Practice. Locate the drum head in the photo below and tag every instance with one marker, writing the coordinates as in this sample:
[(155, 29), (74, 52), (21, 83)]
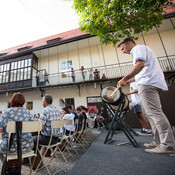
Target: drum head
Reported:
[(106, 95)]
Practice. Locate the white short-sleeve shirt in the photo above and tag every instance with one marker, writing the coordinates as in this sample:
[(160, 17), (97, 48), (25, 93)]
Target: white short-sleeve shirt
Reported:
[(134, 97), (151, 74), (69, 117)]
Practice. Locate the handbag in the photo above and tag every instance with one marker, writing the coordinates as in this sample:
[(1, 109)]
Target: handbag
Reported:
[(15, 170)]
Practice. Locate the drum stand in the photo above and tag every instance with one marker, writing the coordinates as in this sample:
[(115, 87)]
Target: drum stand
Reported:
[(119, 121)]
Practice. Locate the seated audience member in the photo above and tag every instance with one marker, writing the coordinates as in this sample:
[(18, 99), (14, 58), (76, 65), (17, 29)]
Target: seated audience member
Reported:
[(103, 112), (16, 113), (104, 76), (69, 107), (81, 117), (101, 117), (87, 113), (66, 115), (48, 114), (84, 110), (35, 116), (92, 113), (88, 116), (96, 74)]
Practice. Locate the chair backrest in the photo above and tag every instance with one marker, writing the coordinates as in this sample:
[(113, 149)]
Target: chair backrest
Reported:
[(56, 124), (27, 126), (68, 122), (88, 120), (76, 121)]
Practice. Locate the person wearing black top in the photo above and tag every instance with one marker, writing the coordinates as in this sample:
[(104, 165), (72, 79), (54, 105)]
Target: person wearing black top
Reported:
[(81, 116)]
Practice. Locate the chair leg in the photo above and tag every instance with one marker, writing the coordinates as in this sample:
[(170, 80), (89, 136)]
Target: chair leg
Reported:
[(72, 147)]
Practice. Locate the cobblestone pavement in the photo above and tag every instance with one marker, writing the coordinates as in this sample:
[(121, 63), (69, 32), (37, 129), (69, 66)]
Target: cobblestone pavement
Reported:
[(66, 166)]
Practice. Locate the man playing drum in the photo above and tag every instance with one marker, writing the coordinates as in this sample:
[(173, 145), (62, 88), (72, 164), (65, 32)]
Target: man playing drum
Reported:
[(150, 80)]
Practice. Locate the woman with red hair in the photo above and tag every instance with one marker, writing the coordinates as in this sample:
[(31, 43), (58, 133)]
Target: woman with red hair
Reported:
[(16, 113)]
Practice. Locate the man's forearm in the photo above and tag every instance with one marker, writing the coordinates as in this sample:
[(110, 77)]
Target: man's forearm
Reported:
[(135, 70), (131, 80)]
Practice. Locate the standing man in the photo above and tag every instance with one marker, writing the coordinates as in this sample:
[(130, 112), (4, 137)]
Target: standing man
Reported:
[(48, 114), (150, 80)]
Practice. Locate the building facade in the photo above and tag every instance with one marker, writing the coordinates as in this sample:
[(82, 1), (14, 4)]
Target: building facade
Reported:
[(58, 54)]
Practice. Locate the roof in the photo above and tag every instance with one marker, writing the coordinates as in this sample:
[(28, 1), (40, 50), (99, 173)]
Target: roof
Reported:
[(61, 37), (43, 41)]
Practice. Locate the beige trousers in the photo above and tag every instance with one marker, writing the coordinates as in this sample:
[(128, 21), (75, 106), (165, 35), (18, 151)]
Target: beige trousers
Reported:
[(152, 108)]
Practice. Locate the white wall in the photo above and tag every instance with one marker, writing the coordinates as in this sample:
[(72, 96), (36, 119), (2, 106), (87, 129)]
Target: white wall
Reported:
[(73, 92)]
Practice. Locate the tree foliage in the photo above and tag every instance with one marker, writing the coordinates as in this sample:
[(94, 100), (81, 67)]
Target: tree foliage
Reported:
[(112, 20)]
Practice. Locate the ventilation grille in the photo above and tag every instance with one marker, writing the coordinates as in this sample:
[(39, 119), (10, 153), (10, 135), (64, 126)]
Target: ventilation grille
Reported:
[(53, 40)]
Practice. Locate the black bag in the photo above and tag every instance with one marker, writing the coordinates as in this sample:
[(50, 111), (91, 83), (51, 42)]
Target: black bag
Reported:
[(12, 171), (16, 170)]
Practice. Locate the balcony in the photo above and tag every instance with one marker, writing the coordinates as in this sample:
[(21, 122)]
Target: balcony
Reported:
[(112, 72)]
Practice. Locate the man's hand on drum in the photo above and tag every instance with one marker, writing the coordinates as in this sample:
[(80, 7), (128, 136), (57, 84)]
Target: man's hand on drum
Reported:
[(122, 82)]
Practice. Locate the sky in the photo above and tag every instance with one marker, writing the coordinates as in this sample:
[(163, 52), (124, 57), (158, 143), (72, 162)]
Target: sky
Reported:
[(23, 21)]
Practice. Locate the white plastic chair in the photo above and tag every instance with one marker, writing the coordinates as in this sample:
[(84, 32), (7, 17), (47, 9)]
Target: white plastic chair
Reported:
[(27, 126)]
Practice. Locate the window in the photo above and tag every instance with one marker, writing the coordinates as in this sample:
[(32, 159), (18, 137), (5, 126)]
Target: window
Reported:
[(26, 63), (4, 73), (2, 67), (22, 63), (19, 64), (21, 74), (29, 62), (15, 65), (0, 77), (70, 101), (15, 74), (18, 72), (29, 73), (29, 105), (25, 73)]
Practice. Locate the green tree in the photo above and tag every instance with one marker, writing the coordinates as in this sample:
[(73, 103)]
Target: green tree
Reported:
[(112, 20)]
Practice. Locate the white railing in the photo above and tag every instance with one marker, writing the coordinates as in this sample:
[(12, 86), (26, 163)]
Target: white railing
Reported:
[(111, 71)]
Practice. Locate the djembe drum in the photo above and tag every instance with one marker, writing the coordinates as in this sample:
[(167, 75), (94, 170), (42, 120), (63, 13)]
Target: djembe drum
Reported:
[(114, 99)]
